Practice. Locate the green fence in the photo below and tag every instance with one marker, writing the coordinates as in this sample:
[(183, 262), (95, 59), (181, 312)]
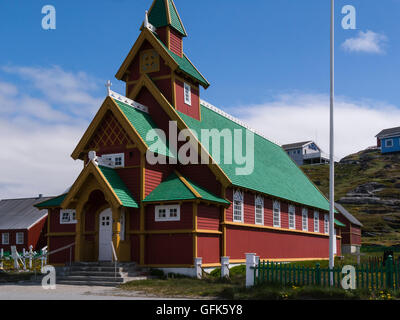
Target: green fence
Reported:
[(368, 276)]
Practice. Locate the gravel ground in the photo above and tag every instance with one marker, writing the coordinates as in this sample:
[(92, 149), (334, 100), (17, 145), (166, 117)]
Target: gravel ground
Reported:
[(34, 291)]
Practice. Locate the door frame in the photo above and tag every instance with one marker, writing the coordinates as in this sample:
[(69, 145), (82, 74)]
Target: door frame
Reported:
[(98, 234)]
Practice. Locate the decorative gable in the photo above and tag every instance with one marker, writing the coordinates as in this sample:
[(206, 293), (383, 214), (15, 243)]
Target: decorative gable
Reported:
[(109, 133)]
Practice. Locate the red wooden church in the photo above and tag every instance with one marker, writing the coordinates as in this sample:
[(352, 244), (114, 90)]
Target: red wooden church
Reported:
[(167, 214)]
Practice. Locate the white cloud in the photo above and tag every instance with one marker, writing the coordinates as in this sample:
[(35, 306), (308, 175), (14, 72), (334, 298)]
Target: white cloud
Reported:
[(301, 117), (369, 42), (37, 136)]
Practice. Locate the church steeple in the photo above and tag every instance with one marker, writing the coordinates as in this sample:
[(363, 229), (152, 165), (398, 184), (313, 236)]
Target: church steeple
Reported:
[(163, 13)]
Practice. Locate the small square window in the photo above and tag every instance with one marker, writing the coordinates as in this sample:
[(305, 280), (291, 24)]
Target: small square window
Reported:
[(389, 143), (167, 213), (68, 216)]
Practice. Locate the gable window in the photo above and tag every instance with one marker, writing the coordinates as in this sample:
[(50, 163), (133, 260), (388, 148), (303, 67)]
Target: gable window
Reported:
[(326, 224), (5, 238), (292, 217), (20, 238), (277, 214), (259, 210), (68, 216), (238, 206), (316, 221), (304, 215), (188, 94), (116, 160), (389, 143), (167, 213)]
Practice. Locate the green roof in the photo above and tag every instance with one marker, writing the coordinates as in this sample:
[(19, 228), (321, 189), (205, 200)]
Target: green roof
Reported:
[(274, 172), (158, 16), (173, 189), (119, 187), (51, 203), (185, 65), (338, 223), (143, 123)]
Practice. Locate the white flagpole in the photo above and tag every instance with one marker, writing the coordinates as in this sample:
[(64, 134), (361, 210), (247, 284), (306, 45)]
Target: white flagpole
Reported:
[(332, 161)]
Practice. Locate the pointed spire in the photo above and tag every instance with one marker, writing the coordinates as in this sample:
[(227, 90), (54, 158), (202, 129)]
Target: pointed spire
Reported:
[(164, 13)]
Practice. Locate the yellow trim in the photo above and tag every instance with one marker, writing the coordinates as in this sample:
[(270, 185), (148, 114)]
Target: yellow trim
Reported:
[(223, 194), (100, 179), (173, 86), (149, 36), (167, 10), (237, 224), (61, 234), (142, 239), (195, 253), (167, 265), (278, 260), (210, 265), (108, 105), (188, 185), (175, 231), (156, 65), (146, 82), (168, 38)]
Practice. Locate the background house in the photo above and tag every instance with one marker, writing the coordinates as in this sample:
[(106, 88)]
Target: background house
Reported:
[(306, 152), (351, 233), (21, 224), (388, 140)]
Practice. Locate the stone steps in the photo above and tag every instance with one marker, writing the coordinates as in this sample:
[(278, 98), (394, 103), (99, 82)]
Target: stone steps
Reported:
[(101, 274)]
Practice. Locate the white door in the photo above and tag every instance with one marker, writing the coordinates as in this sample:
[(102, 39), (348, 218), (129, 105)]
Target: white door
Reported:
[(105, 235)]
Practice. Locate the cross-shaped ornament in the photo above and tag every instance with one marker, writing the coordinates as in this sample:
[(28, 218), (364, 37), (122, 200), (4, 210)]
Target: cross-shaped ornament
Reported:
[(108, 86)]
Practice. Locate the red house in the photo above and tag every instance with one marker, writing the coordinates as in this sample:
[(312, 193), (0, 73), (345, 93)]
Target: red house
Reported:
[(22, 225), (163, 195)]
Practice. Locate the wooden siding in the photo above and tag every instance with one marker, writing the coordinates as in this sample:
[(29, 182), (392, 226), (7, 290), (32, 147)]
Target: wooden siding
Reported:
[(208, 217), (176, 43), (186, 219), (62, 256), (192, 110), (208, 248), (169, 249)]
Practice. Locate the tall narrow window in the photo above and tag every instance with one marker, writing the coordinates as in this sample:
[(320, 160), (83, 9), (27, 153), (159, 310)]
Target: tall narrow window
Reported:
[(259, 210), (238, 206), (292, 217), (326, 223), (304, 215), (277, 214), (316, 221), (20, 238), (188, 94), (5, 238)]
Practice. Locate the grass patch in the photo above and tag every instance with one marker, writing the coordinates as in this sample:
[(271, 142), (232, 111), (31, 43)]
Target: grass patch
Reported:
[(7, 277)]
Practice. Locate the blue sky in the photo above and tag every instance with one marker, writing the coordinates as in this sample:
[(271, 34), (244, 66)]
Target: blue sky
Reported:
[(267, 62)]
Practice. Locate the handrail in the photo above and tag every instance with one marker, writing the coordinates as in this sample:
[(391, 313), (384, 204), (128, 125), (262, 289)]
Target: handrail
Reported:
[(115, 259)]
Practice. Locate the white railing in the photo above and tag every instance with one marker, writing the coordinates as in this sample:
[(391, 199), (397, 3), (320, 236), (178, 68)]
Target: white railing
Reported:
[(115, 258)]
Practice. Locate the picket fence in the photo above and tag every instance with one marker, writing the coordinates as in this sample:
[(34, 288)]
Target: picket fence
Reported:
[(374, 276)]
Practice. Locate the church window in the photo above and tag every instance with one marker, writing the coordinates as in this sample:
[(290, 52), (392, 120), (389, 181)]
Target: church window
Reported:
[(238, 206), (188, 94), (277, 214), (68, 216), (167, 213), (259, 210)]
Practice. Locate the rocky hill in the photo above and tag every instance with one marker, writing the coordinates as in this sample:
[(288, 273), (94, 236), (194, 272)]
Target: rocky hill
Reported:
[(368, 185)]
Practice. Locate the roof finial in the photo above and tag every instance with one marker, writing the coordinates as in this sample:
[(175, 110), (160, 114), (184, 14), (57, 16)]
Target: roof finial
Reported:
[(147, 24), (108, 85)]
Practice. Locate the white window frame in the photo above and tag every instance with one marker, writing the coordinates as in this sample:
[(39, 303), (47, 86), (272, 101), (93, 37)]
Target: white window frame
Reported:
[(238, 200), (304, 219), (168, 209), (259, 201), (276, 215), (292, 214), (386, 143), (326, 224), (71, 216), (187, 93), (108, 160), (3, 238), (316, 221), (18, 237)]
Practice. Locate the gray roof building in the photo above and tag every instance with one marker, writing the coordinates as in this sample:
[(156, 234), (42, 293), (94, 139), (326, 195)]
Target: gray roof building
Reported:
[(348, 215), (20, 214)]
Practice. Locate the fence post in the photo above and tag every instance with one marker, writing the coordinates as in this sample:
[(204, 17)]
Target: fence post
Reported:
[(257, 264), (224, 267), (14, 255), (1, 258), (389, 272), (250, 269), (197, 266), (30, 256), (317, 274)]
